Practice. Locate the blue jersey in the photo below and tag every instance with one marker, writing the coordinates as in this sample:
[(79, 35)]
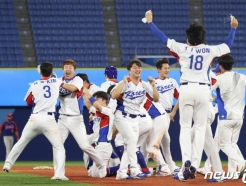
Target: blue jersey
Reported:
[(8, 128)]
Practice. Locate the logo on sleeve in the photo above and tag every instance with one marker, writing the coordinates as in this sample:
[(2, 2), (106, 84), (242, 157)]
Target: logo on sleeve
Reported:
[(63, 92)]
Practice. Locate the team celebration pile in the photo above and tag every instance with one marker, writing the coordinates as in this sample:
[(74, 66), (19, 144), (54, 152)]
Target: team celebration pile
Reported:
[(136, 114)]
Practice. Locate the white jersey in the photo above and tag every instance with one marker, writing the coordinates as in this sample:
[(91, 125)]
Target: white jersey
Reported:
[(168, 89), (71, 102), (132, 96), (93, 88), (112, 102), (230, 88), (103, 124), (43, 95), (195, 60)]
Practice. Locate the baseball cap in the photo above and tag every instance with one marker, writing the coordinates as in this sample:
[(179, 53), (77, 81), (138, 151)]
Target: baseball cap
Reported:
[(9, 116), (217, 69)]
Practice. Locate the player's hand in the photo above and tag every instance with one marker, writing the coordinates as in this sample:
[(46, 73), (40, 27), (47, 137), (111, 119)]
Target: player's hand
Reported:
[(234, 22), (125, 79), (149, 16), (151, 80), (85, 90), (171, 115)]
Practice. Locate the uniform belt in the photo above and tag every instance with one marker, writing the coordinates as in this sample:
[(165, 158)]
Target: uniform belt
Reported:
[(69, 115), (186, 83), (130, 115), (97, 143), (48, 113), (168, 111), (142, 115)]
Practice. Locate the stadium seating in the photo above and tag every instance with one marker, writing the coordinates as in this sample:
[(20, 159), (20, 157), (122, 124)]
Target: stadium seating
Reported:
[(217, 24), (69, 29), (137, 38), (10, 52)]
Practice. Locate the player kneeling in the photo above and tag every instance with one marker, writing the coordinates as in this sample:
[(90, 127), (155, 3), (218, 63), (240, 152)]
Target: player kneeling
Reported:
[(103, 121)]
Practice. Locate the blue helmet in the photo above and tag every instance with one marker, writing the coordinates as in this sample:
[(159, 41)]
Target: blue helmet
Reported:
[(217, 69), (111, 72)]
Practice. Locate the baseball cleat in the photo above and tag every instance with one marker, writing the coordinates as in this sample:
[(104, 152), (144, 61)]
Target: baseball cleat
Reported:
[(102, 171), (64, 178), (176, 171), (201, 171), (215, 180), (187, 172), (140, 176), (176, 177), (126, 177), (242, 171), (192, 172), (162, 171), (6, 170)]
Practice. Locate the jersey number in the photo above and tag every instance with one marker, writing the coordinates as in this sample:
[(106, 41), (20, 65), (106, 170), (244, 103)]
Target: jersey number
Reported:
[(47, 91), (198, 62)]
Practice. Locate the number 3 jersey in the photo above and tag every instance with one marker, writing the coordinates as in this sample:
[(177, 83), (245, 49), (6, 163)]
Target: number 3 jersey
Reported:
[(43, 95), (195, 60)]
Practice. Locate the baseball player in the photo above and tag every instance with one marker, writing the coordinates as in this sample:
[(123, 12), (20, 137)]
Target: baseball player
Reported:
[(230, 88), (194, 58), (8, 129), (111, 79), (160, 124), (92, 88), (103, 123), (168, 89), (130, 94), (71, 118), (42, 95)]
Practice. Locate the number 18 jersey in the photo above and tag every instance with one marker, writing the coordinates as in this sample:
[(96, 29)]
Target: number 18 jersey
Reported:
[(195, 60), (43, 95)]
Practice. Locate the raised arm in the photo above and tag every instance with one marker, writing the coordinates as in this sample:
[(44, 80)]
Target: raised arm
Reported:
[(230, 38), (118, 90), (159, 34)]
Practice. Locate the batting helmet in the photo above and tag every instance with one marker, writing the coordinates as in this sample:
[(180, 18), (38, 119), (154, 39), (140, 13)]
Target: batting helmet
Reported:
[(111, 72)]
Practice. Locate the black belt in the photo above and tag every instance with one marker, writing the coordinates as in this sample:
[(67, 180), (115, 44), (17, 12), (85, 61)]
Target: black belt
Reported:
[(69, 115), (142, 116), (130, 115), (186, 83), (168, 111), (48, 113), (97, 143)]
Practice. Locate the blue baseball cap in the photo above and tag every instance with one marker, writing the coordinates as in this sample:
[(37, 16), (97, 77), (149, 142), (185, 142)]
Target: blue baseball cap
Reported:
[(217, 69)]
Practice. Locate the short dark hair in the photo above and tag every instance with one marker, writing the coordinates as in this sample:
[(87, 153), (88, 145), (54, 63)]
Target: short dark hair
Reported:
[(195, 34), (110, 89), (83, 76), (69, 62), (101, 94), (132, 62), (226, 61), (159, 63), (46, 69)]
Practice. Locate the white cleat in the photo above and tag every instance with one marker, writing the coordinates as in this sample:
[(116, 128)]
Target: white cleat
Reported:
[(202, 171), (102, 171), (64, 178), (162, 171)]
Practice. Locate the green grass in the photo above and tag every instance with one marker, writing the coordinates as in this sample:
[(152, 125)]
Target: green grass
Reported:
[(15, 178)]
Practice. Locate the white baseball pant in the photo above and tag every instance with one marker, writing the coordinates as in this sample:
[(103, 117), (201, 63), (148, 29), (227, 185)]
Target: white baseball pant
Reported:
[(45, 124), (128, 127), (75, 125), (210, 147), (8, 142), (229, 131), (160, 124), (193, 103), (105, 150), (165, 146)]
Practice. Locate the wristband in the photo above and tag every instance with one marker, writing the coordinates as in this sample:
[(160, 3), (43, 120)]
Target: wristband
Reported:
[(92, 100)]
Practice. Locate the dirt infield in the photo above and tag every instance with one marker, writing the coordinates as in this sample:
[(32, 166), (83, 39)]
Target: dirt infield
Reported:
[(79, 174)]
